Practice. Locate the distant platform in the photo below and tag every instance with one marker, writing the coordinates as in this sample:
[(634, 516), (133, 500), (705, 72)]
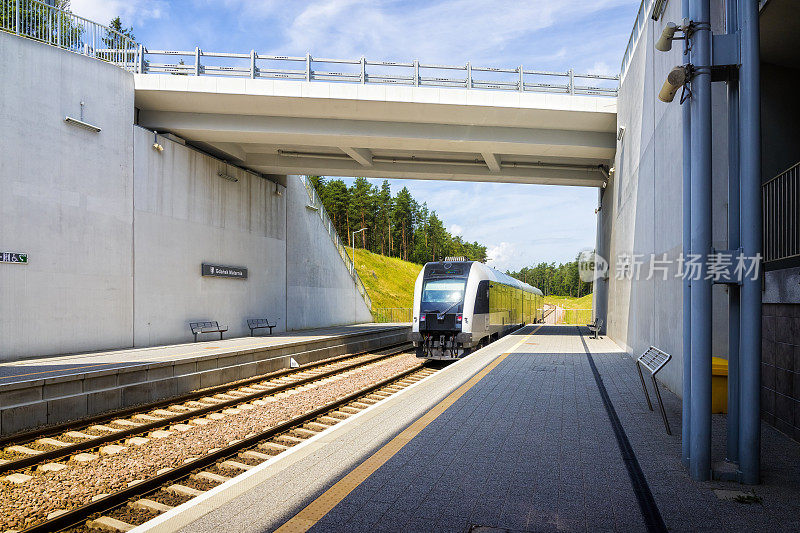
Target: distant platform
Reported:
[(54, 389), (543, 430)]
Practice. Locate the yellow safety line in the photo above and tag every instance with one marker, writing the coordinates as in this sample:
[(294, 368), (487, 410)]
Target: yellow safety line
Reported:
[(314, 511)]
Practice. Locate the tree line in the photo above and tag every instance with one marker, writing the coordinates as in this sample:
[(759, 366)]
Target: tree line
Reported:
[(397, 225), (561, 280)]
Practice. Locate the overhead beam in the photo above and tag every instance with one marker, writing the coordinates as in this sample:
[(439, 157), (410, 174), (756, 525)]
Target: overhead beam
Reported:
[(232, 150), (374, 135), (362, 155), (341, 166), (492, 161)]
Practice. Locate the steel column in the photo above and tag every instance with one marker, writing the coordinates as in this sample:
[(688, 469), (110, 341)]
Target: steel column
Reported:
[(750, 202), (700, 438), (732, 447), (687, 249)]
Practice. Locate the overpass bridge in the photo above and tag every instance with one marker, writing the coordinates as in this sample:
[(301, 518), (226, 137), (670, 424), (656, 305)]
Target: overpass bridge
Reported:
[(285, 121)]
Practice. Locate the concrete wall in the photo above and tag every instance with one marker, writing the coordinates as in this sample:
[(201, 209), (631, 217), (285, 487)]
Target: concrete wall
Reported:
[(116, 231), (66, 197), (319, 289), (185, 215), (642, 206)]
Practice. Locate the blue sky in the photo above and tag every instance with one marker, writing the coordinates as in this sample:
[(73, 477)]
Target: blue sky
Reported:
[(520, 224)]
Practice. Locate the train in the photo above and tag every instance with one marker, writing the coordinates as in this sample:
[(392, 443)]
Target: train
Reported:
[(462, 305)]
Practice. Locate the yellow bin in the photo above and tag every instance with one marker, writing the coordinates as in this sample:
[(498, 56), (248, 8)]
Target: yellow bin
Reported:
[(719, 385)]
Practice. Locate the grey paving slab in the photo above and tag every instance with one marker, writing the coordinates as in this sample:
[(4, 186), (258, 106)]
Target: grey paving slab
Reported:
[(528, 448)]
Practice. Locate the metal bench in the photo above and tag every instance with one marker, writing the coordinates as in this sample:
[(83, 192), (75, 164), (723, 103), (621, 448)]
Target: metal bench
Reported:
[(654, 360), (594, 327), (258, 323), (207, 327)]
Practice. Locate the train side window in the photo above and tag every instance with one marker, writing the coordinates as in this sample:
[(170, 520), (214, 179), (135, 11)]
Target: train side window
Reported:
[(482, 298)]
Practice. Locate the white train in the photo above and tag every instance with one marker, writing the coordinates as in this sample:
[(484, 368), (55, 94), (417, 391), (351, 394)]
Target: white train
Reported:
[(460, 305)]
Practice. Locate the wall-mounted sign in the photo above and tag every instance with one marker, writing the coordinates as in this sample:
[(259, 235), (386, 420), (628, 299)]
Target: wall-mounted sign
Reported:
[(13, 257), (222, 271)]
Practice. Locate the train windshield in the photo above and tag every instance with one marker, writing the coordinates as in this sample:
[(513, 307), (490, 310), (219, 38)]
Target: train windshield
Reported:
[(444, 291)]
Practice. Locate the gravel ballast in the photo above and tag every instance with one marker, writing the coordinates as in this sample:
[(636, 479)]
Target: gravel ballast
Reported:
[(23, 505)]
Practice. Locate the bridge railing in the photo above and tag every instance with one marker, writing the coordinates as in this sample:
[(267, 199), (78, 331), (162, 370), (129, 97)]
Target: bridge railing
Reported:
[(315, 203), (49, 24), (58, 27), (307, 68)]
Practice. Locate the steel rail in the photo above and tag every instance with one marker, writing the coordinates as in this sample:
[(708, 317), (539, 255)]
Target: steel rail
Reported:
[(75, 516), (57, 453)]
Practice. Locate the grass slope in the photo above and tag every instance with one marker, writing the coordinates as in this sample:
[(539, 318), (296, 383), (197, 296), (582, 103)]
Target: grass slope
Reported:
[(390, 283), (389, 280), (569, 302)]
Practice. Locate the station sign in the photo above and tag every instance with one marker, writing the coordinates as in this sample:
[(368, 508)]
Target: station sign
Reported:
[(14, 257), (222, 271)]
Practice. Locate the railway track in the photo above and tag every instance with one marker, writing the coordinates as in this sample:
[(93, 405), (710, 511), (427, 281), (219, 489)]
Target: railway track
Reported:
[(39, 448), (147, 498)]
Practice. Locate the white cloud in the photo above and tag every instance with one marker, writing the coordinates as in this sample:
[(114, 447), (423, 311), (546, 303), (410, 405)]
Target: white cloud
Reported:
[(443, 31), (132, 12), (600, 67), (501, 255), (456, 230)]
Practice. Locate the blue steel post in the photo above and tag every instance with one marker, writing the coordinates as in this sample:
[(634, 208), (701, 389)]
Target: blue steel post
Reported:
[(750, 183), (700, 439), (732, 448), (687, 249)]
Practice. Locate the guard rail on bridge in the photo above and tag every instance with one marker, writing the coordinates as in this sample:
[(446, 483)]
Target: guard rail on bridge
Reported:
[(58, 27), (307, 68)]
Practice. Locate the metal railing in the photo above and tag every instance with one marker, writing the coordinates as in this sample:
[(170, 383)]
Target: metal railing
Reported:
[(315, 203), (46, 23), (638, 27), (780, 197), (57, 27), (392, 314), (306, 68)]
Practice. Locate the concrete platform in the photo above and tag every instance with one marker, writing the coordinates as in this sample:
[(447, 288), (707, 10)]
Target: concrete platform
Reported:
[(527, 434), (51, 390)]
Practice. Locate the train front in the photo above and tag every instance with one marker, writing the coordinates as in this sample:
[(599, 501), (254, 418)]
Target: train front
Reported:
[(438, 330)]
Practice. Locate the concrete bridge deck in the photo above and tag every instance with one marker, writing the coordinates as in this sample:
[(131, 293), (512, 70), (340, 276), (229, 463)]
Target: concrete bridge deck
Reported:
[(338, 129), (516, 437)]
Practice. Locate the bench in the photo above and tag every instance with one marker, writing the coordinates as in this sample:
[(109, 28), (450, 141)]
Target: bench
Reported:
[(258, 323), (594, 327), (207, 327), (654, 360)]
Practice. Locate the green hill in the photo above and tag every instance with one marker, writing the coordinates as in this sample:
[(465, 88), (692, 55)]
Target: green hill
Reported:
[(569, 302), (390, 284), (389, 280)]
